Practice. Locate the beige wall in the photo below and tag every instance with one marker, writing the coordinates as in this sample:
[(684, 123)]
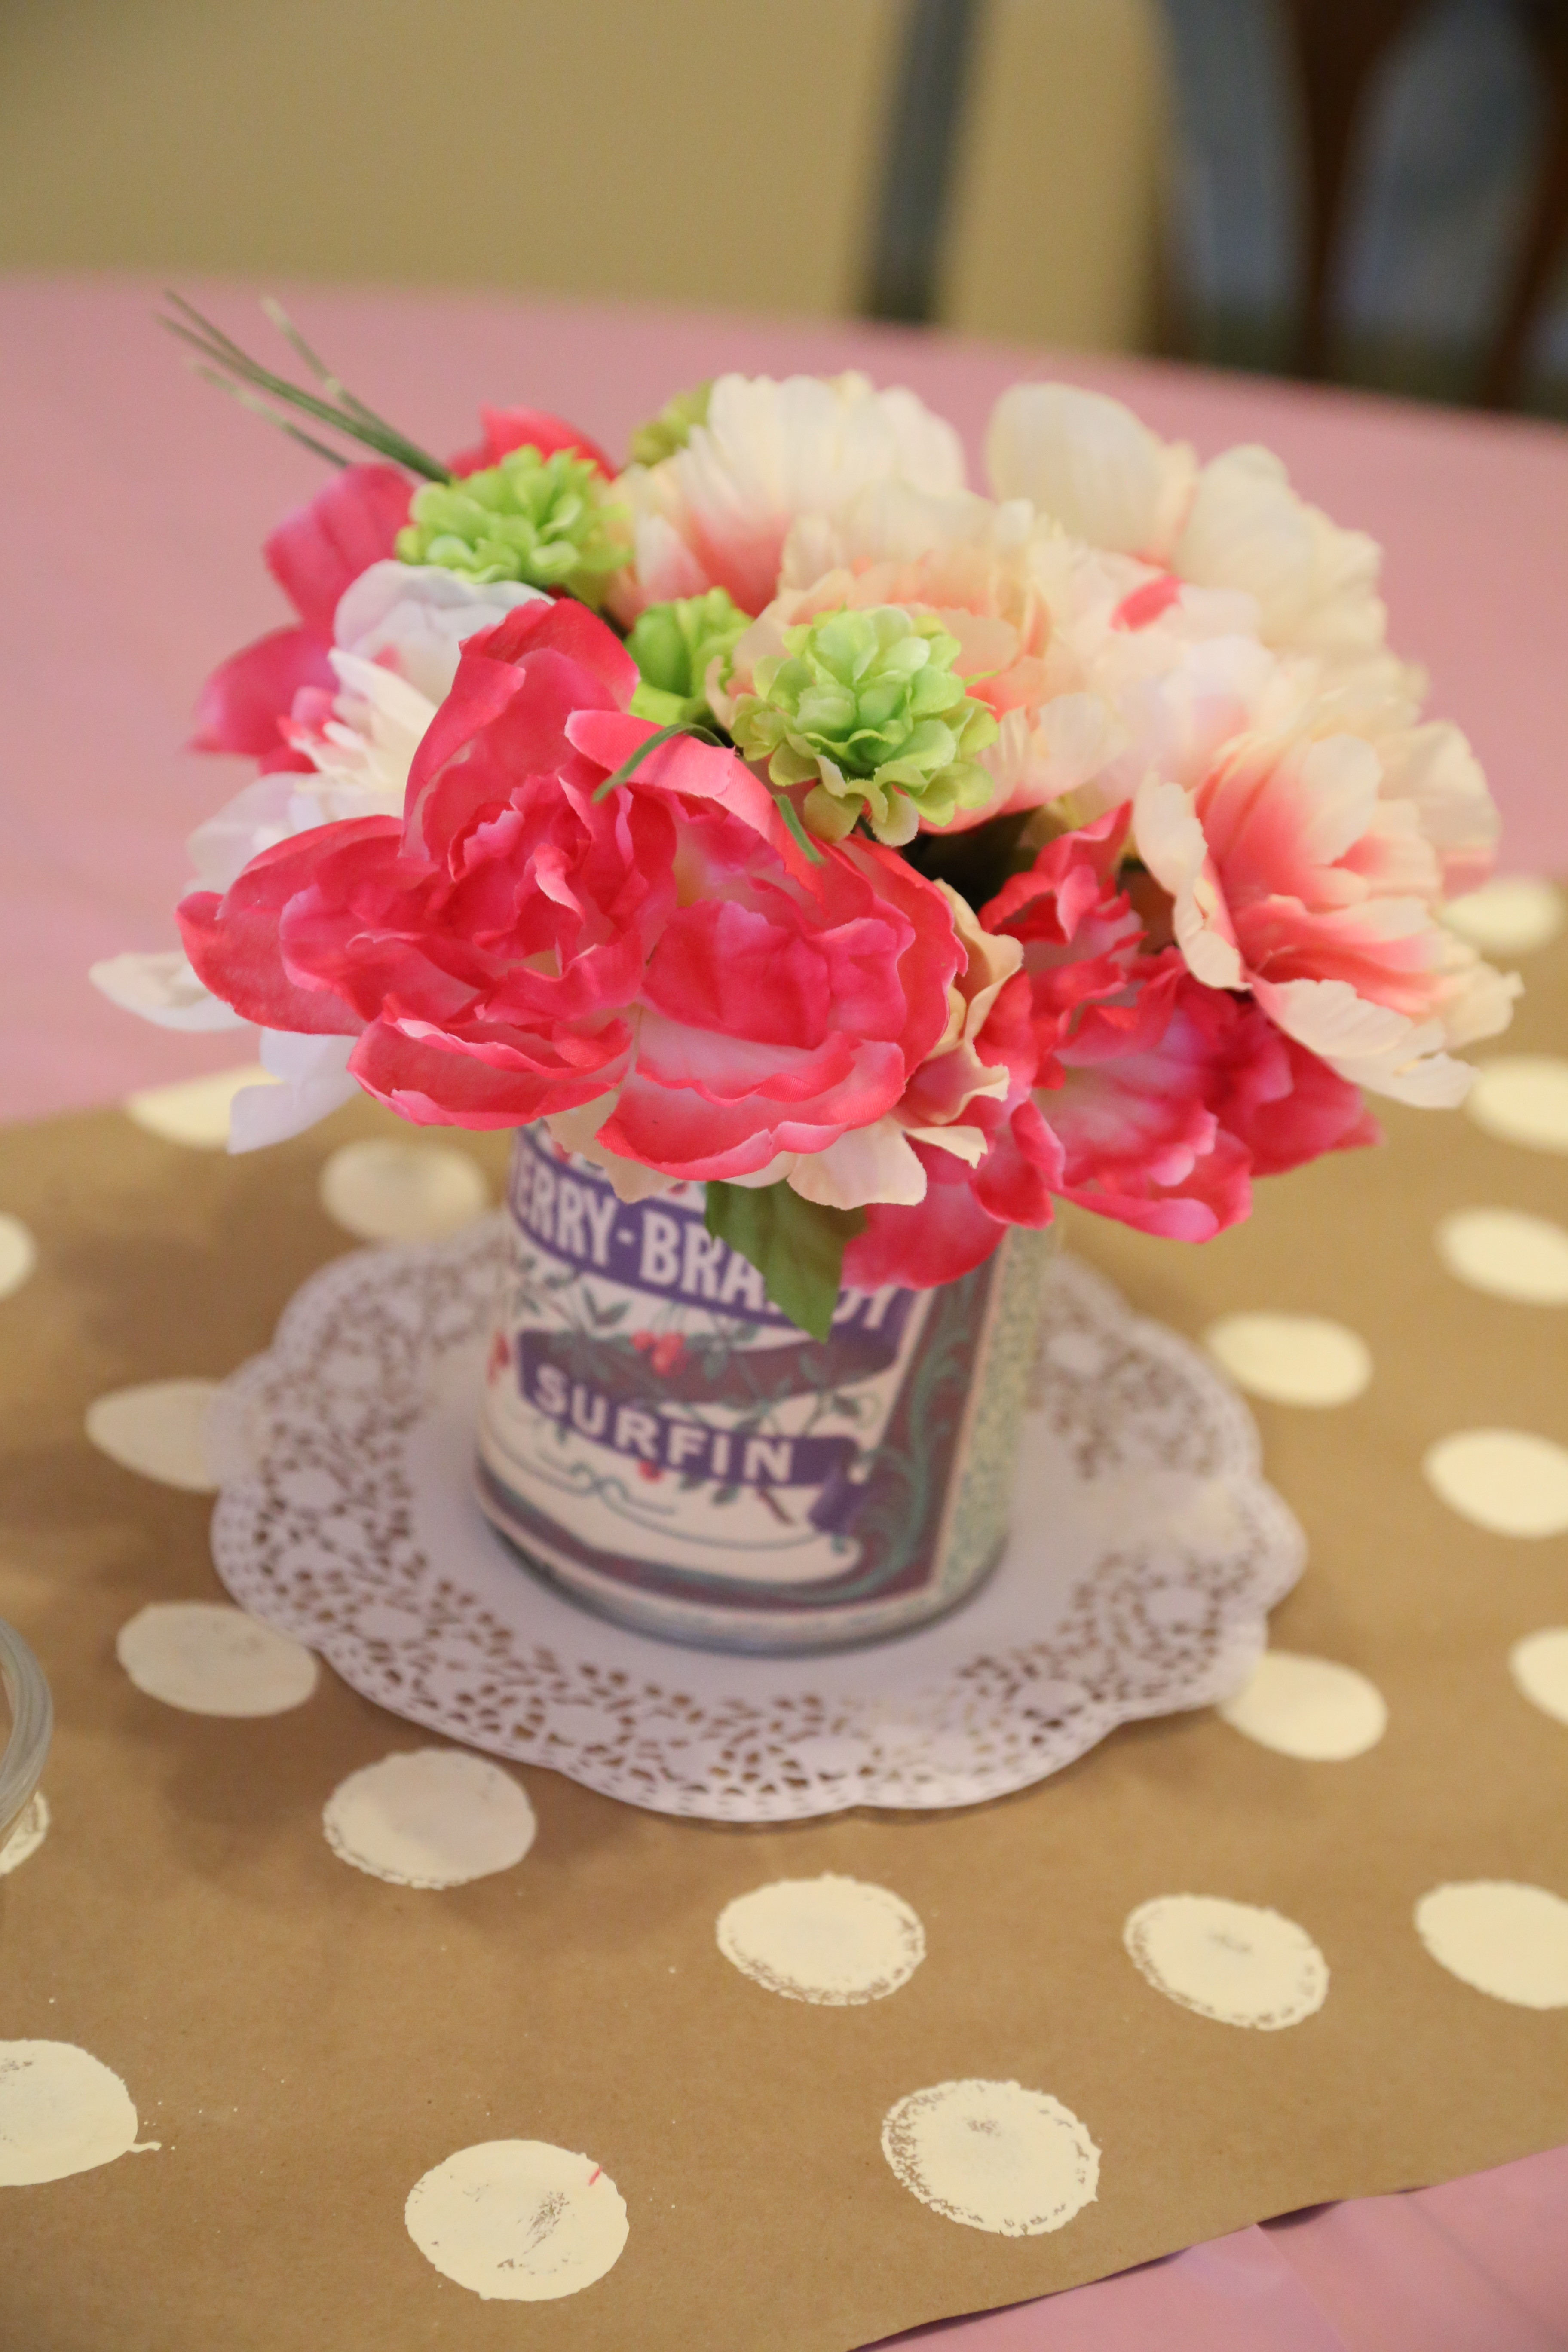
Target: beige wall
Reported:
[(703, 151), (717, 151), (1052, 235)]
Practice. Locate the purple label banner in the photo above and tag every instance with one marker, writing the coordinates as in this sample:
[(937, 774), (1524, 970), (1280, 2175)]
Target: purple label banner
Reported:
[(663, 1248), (726, 1457)]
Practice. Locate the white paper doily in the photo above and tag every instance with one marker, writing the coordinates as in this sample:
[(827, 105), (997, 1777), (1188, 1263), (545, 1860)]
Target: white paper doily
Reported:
[(1147, 1551)]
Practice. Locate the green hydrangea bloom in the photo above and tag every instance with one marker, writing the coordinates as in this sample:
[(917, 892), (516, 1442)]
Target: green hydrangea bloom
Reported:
[(673, 427), (543, 521), (672, 644), (870, 706)]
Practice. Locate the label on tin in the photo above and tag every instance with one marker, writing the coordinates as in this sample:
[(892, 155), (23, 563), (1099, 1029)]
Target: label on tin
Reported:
[(652, 1422)]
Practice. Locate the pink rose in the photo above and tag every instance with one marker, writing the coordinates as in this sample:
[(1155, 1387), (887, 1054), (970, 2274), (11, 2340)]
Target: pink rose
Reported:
[(315, 555), (517, 947)]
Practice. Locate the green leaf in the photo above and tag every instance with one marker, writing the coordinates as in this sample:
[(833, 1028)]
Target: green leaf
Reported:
[(795, 1245)]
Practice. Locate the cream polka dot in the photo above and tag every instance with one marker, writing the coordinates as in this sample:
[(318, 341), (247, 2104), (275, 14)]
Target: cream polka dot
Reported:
[(61, 2111), (429, 1817), (196, 1111), (207, 1657), (18, 1254), (1234, 1962), (1291, 1358), (1506, 1253), (1513, 915), (517, 2221), (158, 1429), (836, 1941), (1508, 1481), (993, 2155), (31, 1829), (1312, 1708), (390, 1191), (1539, 1665), (1523, 1098), (1503, 1937)]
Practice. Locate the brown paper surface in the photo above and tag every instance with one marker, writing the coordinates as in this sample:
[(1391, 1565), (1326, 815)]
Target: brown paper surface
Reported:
[(306, 2041)]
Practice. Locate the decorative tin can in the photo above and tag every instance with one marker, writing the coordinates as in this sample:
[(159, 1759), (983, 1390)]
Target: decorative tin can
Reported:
[(659, 1441)]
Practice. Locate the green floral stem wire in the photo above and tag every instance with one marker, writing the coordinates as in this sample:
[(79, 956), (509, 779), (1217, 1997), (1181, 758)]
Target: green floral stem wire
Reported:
[(628, 767), (221, 360)]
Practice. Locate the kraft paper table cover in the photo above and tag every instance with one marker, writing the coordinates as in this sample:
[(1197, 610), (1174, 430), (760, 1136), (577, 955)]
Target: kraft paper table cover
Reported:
[(1470, 512), (305, 2042)]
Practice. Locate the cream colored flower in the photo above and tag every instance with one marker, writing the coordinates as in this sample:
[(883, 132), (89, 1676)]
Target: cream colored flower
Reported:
[(717, 513), (1235, 523)]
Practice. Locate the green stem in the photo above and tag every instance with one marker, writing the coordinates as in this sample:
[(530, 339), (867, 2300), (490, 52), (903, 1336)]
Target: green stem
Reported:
[(351, 417), (628, 767)]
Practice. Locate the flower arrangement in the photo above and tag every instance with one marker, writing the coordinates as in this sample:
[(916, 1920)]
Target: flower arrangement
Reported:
[(780, 812)]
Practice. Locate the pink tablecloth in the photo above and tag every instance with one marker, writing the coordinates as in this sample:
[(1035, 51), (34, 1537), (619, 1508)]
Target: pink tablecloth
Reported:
[(136, 502)]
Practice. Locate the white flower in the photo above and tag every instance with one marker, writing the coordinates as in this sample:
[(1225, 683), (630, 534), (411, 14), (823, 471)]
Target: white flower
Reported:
[(1235, 523), (1146, 673), (315, 1081), (718, 512), (164, 989)]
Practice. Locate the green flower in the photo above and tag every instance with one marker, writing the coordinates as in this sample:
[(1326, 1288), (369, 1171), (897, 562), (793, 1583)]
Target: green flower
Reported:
[(672, 428), (868, 704), (672, 644), (543, 521)]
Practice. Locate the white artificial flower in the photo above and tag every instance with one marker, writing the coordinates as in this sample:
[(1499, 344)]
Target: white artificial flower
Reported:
[(717, 513), (162, 988), (1233, 524), (313, 1082), (416, 618)]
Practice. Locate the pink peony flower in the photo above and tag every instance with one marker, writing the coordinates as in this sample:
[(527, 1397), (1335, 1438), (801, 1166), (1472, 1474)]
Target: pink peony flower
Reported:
[(1164, 1095), (1155, 1099), (968, 1200), (1167, 1105), (1307, 864), (782, 1012), (660, 963), (315, 555)]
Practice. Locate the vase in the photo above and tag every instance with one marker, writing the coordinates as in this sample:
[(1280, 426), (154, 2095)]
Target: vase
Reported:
[(659, 1440)]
